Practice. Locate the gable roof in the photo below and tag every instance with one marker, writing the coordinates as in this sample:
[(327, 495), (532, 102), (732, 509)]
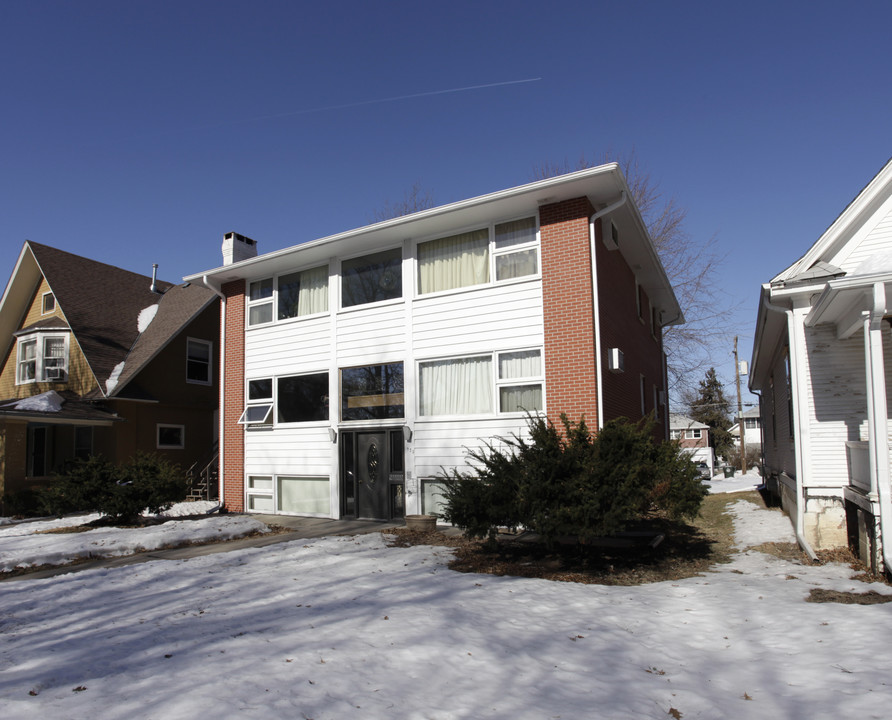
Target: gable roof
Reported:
[(679, 422), (101, 304), (857, 212)]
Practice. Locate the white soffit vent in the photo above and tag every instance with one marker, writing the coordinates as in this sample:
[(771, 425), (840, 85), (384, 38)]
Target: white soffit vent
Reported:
[(611, 234), (615, 360)]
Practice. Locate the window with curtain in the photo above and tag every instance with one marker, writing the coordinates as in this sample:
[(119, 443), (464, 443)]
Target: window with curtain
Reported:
[(453, 262), (460, 386), (516, 392), (515, 252), (303, 293)]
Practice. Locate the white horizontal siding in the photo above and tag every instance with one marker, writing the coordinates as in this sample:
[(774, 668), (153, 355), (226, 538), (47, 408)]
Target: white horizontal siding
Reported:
[(481, 320), (445, 444), (875, 237), (837, 406), (371, 335), (288, 347), (289, 451)]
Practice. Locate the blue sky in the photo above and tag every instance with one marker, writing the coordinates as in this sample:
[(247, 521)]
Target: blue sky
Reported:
[(140, 132)]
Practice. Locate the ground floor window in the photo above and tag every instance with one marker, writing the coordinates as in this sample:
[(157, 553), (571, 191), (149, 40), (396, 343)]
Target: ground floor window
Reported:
[(288, 494), (372, 392), (432, 498), (171, 437)]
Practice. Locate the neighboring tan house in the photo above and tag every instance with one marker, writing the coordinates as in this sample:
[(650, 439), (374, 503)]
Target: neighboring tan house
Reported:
[(752, 429), (99, 360), (693, 437), (822, 363), (358, 367)]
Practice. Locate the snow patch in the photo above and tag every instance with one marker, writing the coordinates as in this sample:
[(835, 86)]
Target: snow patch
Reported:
[(112, 381), (49, 401), (146, 316)]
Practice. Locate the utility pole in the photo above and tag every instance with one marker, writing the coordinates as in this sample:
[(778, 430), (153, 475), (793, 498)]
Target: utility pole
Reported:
[(739, 411)]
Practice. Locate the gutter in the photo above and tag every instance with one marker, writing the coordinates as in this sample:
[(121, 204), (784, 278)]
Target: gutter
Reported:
[(596, 308), (797, 434)]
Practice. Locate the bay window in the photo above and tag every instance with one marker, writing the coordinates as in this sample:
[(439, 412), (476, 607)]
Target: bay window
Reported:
[(42, 358)]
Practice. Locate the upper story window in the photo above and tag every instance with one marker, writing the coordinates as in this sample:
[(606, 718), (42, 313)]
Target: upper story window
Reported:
[(372, 392), (751, 423), (48, 304), (504, 251), (696, 433), (198, 361), (675, 434), (372, 278), (292, 295), (42, 358)]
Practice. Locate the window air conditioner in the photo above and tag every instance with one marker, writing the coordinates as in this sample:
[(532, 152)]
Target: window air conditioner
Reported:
[(55, 374), (615, 361)]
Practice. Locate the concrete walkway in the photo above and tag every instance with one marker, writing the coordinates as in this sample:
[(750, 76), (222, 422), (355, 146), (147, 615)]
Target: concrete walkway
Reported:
[(298, 528)]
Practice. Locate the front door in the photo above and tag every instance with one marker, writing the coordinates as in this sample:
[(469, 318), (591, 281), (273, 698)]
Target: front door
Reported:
[(372, 476)]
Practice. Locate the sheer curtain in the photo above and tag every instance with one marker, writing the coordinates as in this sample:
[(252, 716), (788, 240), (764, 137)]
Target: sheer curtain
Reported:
[(313, 296), (453, 262), (457, 387), (518, 398)]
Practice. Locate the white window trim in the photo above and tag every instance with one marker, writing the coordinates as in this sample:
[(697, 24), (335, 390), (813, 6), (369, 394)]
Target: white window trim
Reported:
[(249, 303), (210, 347), (273, 493), (380, 303), (160, 426), (696, 433), (269, 402), (498, 383), (43, 310), (40, 369)]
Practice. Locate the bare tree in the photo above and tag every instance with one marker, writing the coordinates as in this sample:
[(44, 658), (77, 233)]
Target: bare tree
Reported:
[(415, 199), (691, 266)]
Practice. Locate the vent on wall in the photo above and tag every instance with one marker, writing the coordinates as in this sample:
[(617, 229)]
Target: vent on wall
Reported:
[(611, 234), (615, 360)]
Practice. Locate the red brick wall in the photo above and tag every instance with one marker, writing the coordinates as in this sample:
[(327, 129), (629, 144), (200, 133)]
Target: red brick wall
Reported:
[(570, 363), (621, 327), (232, 402)]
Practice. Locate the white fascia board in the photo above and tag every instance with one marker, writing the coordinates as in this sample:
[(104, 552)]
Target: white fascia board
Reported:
[(426, 222), (854, 213), (14, 304)]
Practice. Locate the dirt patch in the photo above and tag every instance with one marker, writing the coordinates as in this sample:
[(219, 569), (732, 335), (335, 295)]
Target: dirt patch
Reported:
[(871, 597), (687, 549)]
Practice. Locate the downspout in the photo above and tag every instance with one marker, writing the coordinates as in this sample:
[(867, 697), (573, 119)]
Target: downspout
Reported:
[(797, 434), (206, 281), (877, 413), (595, 306)]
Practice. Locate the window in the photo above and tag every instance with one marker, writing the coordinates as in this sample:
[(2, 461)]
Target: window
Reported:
[(170, 437), (515, 395), (259, 494), (372, 278), (675, 434), (48, 303), (460, 386), (751, 423), (258, 411), (463, 260), (453, 262), (198, 361), (696, 433), (83, 442), (515, 251), (639, 300), (302, 398), (372, 392), (260, 301), (470, 386), (42, 358), (302, 293), (306, 495)]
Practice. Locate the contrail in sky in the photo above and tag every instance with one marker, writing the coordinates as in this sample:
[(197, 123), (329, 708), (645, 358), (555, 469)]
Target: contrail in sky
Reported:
[(396, 97)]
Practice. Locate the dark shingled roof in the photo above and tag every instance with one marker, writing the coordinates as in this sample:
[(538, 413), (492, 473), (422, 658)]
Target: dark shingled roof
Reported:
[(102, 304)]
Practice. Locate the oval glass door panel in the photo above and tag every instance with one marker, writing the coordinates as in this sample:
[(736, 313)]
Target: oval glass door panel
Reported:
[(372, 463)]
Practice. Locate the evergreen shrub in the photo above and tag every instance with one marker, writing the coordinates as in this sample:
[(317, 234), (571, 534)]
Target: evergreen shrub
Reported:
[(123, 493), (571, 484)]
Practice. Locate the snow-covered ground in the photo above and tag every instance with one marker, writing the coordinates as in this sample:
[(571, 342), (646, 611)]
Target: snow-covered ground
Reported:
[(720, 484), (28, 544), (345, 627)]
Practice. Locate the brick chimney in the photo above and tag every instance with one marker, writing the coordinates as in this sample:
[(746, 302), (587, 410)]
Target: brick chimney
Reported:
[(237, 248)]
